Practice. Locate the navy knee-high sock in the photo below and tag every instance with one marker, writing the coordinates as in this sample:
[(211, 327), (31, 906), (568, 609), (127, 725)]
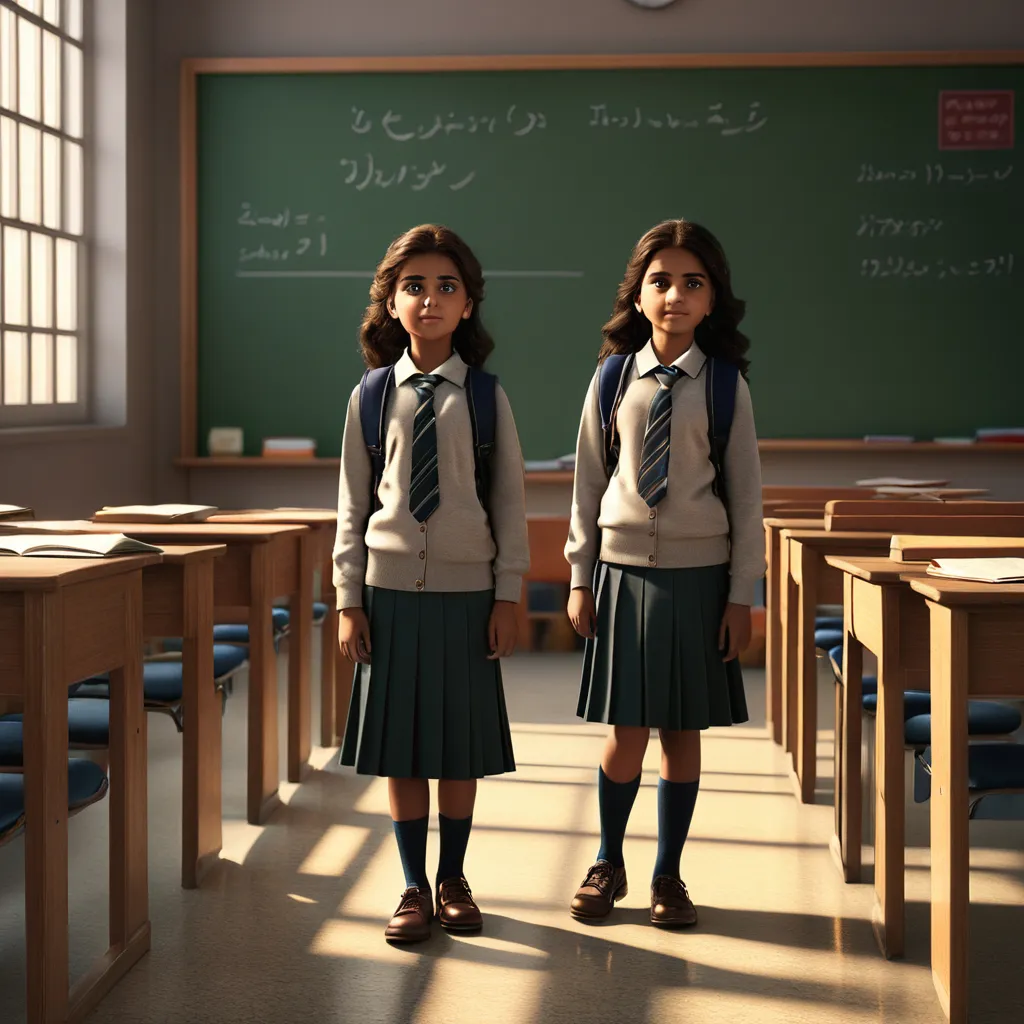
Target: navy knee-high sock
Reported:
[(454, 840), (412, 848), (676, 801), (615, 800)]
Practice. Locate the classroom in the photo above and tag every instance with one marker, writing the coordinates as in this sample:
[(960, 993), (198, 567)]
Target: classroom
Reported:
[(811, 761)]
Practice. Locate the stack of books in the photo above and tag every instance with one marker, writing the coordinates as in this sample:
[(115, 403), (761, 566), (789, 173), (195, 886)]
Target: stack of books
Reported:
[(1003, 435), (288, 447)]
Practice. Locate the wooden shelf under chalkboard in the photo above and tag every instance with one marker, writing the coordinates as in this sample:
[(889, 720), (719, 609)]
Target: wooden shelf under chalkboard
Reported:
[(826, 446)]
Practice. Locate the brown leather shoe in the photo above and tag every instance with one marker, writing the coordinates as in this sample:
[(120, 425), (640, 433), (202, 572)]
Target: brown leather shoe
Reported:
[(411, 921), (671, 906), (456, 909), (603, 887)]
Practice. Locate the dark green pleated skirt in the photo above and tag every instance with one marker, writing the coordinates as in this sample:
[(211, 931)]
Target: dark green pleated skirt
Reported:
[(429, 705), (655, 660)]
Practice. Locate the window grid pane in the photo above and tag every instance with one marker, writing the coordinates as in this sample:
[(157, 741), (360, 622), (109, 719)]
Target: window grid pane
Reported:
[(67, 368), (8, 59), (15, 368), (29, 62), (41, 184), (41, 370), (30, 177)]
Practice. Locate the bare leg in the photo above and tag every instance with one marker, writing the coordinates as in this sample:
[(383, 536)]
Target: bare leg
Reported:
[(624, 752), (680, 755), (410, 798), (456, 798)]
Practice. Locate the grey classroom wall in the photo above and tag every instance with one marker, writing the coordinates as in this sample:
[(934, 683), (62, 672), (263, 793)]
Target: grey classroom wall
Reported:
[(71, 474)]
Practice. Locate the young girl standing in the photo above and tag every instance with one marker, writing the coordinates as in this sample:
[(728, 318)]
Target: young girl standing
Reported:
[(427, 576), (674, 532)]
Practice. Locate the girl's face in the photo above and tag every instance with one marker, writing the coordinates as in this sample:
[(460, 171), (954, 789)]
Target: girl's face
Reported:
[(430, 298), (676, 292)]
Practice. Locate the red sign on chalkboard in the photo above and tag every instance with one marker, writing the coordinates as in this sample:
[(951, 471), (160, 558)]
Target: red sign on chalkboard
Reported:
[(976, 119)]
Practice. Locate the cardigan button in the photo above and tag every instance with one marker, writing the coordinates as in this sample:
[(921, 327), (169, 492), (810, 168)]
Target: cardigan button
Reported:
[(650, 558), (653, 514), (423, 555), (423, 527), (419, 584)]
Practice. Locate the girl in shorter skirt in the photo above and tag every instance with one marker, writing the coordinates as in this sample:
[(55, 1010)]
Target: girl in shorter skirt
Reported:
[(674, 567), (427, 577)]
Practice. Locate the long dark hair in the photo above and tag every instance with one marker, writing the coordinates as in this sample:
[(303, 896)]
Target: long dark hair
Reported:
[(382, 337), (718, 335)]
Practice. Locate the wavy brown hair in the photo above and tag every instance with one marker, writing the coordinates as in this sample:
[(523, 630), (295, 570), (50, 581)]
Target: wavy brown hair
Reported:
[(718, 335), (382, 337)]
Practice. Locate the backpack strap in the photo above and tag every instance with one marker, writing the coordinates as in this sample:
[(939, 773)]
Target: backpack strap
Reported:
[(720, 396), (612, 380), (374, 389), (481, 397)]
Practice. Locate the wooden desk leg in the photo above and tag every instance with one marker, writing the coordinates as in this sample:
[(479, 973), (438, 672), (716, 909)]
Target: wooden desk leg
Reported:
[(807, 676), (889, 910), (128, 796), (300, 638), (773, 640), (846, 843), (789, 638), (328, 667), (950, 855), (263, 773), (46, 811), (201, 808)]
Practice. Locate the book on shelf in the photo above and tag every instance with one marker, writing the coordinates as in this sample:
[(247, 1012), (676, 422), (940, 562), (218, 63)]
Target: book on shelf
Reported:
[(288, 447), (979, 570), (1001, 435), (82, 545), (15, 512), (154, 513)]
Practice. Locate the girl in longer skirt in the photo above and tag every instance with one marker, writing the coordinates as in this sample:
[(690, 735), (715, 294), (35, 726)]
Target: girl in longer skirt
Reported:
[(676, 566), (427, 584)]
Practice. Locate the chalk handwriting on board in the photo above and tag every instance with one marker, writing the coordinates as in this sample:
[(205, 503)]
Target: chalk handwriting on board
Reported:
[(931, 174), (295, 235), (940, 269), (408, 174), (873, 226), (514, 122), (252, 218), (601, 116)]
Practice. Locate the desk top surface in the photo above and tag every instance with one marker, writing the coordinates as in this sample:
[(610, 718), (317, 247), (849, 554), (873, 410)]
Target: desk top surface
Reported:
[(828, 539), (28, 572), (967, 592), (876, 570), (908, 548)]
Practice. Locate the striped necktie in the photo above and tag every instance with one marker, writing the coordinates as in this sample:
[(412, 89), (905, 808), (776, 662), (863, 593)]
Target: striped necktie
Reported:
[(424, 493), (652, 480)]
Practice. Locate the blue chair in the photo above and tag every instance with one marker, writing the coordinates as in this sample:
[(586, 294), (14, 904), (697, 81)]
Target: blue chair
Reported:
[(869, 684), (319, 612), (88, 724), (238, 632), (828, 622), (826, 639), (87, 783), (993, 769), (163, 681)]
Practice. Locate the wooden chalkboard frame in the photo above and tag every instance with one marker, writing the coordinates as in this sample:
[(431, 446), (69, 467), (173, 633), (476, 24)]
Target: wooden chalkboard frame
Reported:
[(192, 68)]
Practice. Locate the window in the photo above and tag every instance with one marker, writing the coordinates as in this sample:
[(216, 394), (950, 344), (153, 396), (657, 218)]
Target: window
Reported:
[(42, 357)]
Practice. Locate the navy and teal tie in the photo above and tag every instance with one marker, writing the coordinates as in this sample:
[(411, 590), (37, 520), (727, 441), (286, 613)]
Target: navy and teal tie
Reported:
[(424, 493), (652, 480)]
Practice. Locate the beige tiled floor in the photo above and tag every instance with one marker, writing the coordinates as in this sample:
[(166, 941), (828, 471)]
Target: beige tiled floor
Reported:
[(289, 927)]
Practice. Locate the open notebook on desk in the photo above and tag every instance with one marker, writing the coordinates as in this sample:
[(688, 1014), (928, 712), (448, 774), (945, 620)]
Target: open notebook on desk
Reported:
[(15, 512), (153, 513), (979, 570), (79, 545)]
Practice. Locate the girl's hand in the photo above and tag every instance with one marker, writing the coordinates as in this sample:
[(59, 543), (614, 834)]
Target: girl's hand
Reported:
[(734, 634), (354, 635), (502, 630), (581, 611)]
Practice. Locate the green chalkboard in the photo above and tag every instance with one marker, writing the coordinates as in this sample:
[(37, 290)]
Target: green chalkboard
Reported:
[(879, 246)]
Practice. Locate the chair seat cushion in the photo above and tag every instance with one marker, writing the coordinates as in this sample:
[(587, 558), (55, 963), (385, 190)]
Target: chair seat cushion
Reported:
[(88, 722), (915, 703), (868, 684), (984, 718), (11, 739), (227, 658), (992, 765), (826, 639), (87, 782), (238, 632), (319, 611), (828, 622)]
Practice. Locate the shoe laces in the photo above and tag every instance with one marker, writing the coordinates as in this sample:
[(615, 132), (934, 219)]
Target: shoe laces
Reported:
[(600, 876), (455, 890), (667, 887), (410, 900)]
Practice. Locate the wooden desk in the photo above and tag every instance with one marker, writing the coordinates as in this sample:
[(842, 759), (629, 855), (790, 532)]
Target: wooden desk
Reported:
[(809, 582), (177, 600), (336, 671), (62, 619), (922, 549), (882, 614), (547, 535), (773, 528), (977, 647)]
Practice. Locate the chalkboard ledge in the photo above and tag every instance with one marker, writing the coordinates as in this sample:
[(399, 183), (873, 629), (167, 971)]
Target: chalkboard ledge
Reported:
[(810, 447)]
